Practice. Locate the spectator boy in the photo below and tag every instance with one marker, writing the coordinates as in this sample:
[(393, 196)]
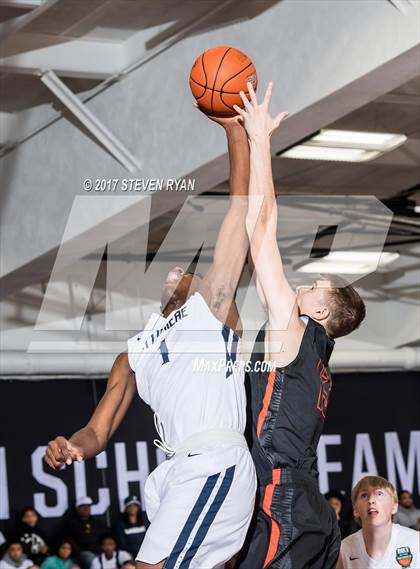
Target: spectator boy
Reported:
[(110, 557), (15, 558), (84, 530), (380, 543), (131, 527), (31, 536)]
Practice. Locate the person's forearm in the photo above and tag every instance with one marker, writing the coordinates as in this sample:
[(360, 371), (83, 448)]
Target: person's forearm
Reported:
[(262, 200), (88, 440), (232, 241), (238, 159), (261, 176)]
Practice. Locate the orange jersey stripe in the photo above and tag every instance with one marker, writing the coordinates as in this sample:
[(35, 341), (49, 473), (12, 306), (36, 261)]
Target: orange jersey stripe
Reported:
[(266, 401), (275, 528)]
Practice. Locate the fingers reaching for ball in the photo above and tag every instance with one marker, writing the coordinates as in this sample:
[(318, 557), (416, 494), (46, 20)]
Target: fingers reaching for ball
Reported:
[(247, 105), (280, 118), (256, 117), (252, 93), (267, 96)]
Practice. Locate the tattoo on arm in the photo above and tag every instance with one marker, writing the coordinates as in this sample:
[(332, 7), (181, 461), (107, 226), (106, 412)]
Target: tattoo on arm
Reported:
[(217, 299)]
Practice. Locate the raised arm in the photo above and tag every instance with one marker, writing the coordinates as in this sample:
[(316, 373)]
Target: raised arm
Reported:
[(232, 242), (285, 328), (93, 438)]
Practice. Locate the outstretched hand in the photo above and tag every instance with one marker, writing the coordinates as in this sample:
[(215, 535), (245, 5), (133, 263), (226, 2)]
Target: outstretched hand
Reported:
[(60, 452), (258, 122)]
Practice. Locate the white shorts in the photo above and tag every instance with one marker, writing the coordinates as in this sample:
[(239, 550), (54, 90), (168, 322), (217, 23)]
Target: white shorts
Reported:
[(200, 505)]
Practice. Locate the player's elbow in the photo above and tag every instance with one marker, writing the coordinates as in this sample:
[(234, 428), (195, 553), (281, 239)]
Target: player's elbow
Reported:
[(264, 216), (268, 212), (251, 223)]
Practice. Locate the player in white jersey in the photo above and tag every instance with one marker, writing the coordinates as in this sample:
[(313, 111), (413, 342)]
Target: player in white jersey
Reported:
[(380, 544), (199, 502)]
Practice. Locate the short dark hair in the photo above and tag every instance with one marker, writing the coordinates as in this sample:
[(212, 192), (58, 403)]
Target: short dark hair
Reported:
[(335, 494), (107, 535), (347, 311), (71, 542), (28, 509), (14, 541)]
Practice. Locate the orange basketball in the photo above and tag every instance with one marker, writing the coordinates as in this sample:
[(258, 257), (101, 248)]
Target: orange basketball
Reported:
[(217, 77)]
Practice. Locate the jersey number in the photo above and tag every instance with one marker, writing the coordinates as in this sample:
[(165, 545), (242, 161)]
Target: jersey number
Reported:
[(164, 352), (227, 334), (324, 389)]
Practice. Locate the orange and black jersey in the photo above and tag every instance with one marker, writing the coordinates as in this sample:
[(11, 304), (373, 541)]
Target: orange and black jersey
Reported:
[(288, 405), (294, 527)]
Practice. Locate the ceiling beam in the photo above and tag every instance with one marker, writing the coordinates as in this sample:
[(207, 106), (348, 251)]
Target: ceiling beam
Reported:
[(399, 99), (15, 24), (135, 58), (90, 121), (24, 4), (35, 53), (91, 18)]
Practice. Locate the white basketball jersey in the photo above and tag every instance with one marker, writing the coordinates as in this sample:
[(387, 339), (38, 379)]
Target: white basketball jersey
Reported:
[(402, 551), (185, 370)]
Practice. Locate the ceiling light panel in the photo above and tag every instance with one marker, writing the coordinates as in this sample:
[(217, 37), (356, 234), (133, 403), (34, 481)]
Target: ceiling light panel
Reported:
[(345, 146), (349, 262), (381, 141)]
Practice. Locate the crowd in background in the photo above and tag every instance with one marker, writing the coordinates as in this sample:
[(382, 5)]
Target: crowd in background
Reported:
[(83, 542), (80, 541)]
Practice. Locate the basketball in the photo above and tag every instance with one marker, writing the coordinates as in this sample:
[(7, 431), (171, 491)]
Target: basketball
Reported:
[(217, 77)]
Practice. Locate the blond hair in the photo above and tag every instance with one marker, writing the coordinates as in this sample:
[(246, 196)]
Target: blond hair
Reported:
[(373, 482)]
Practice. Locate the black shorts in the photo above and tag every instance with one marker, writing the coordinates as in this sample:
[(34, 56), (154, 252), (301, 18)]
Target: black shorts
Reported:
[(294, 526)]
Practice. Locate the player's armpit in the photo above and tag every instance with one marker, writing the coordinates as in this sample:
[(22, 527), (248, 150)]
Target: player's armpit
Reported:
[(221, 301), (283, 346), (219, 294)]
